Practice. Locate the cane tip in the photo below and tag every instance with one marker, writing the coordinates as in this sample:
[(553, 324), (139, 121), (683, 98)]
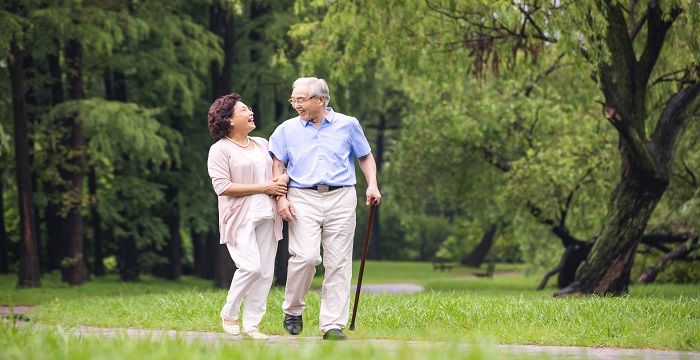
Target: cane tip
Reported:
[(352, 327)]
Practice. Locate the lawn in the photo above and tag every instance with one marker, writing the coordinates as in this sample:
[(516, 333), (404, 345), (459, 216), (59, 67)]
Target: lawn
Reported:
[(456, 307)]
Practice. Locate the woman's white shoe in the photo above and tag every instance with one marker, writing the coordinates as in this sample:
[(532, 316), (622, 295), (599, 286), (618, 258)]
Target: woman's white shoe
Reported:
[(255, 335), (231, 329)]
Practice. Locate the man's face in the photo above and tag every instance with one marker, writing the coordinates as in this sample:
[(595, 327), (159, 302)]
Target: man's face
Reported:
[(307, 107)]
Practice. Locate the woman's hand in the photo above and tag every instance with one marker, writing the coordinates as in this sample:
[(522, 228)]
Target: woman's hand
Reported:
[(274, 188)]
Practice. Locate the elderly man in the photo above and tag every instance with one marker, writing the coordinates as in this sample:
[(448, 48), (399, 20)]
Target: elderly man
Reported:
[(319, 147)]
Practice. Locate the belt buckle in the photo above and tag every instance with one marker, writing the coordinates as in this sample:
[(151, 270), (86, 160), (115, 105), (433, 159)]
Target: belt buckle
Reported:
[(322, 188)]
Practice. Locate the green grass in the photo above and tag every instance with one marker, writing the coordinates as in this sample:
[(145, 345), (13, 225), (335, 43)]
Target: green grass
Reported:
[(455, 307), (52, 288)]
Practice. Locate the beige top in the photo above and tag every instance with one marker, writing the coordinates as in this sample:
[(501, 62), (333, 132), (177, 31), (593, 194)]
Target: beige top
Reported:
[(229, 163)]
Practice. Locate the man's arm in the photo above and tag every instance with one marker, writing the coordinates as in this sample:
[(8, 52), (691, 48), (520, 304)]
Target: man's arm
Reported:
[(369, 168), (277, 167), (284, 207), (279, 172)]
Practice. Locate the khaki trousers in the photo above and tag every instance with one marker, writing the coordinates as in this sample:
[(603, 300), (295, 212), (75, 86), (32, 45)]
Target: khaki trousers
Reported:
[(328, 220), (254, 254)]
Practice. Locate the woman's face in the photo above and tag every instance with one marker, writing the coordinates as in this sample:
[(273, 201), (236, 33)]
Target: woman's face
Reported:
[(308, 107), (242, 119)]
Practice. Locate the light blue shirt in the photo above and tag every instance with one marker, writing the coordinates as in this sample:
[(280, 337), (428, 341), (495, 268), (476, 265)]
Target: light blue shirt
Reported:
[(324, 155)]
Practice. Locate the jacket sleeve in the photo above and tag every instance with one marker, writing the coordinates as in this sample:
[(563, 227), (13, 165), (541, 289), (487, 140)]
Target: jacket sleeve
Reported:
[(217, 165)]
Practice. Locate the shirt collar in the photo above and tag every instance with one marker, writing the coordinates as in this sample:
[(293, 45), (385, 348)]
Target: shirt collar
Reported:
[(330, 117)]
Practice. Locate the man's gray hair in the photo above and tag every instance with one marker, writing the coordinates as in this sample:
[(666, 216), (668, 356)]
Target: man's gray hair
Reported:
[(316, 86)]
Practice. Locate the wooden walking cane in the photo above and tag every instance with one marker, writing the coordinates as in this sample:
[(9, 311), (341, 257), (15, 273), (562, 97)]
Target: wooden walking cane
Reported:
[(368, 231)]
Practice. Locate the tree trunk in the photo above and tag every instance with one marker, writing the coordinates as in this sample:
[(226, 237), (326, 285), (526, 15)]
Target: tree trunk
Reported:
[(128, 259), (225, 267), (55, 242), (222, 23), (210, 247), (96, 223), (127, 249), (573, 256), (4, 239), (282, 257), (74, 271), (476, 257), (32, 103), (607, 268), (29, 272), (199, 243), (172, 270)]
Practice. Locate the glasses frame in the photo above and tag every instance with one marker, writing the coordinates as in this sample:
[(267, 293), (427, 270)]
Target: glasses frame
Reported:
[(244, 108), (298, 101)]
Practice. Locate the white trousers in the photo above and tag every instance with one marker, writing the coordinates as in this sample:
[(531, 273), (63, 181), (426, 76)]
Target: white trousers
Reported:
[(254, 254), (326, 219)]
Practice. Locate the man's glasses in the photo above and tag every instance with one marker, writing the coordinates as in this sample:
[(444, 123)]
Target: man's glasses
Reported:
[(300, 101)]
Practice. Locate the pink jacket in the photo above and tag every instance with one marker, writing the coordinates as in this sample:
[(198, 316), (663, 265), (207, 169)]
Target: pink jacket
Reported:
[(224, 170)]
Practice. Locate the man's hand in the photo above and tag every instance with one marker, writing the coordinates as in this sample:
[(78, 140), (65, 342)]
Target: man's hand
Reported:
[(284, 178), (285, 209), (373, 195)]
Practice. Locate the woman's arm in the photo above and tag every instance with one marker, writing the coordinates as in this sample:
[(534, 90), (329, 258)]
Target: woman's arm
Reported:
[(269, 187), (218, 167)]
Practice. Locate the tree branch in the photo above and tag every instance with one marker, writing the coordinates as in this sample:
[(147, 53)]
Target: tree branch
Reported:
[(678, 253), (557, 227), (494, 159), (656, 32), (638, 26), (680, 107), (539, 34), (669, 77), (567, 203)]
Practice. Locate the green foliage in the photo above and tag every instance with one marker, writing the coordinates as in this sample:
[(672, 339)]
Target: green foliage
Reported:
[(680, 273), (115, 128), (425, 234), (476, 125), (495, 124), (12, 28)]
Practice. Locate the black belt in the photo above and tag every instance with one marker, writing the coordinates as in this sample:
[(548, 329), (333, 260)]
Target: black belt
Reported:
[(323, 188)]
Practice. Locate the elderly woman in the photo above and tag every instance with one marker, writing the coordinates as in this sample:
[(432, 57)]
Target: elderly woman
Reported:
[(240, 168)]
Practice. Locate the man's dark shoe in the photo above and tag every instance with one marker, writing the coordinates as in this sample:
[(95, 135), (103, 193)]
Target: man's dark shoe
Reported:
[(334, 334), (293, 324)]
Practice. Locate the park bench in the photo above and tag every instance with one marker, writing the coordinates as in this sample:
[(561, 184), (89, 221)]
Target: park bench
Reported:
[(489, 271), (442, 264)]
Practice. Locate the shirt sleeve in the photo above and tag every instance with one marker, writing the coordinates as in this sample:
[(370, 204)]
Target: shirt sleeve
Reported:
[(217, 164), (358, 141), (278, 144)]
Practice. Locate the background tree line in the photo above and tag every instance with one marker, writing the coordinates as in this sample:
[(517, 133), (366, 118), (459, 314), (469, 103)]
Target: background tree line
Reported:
[(499, 132)]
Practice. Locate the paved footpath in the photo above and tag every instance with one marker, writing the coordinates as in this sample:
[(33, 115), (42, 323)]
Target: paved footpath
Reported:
[(551, 352)]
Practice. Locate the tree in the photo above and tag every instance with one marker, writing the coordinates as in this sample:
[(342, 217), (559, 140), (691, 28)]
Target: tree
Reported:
[(74, 271), (222, 23), (29, 273), (4, 238), (476, 40), (646, 160)]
